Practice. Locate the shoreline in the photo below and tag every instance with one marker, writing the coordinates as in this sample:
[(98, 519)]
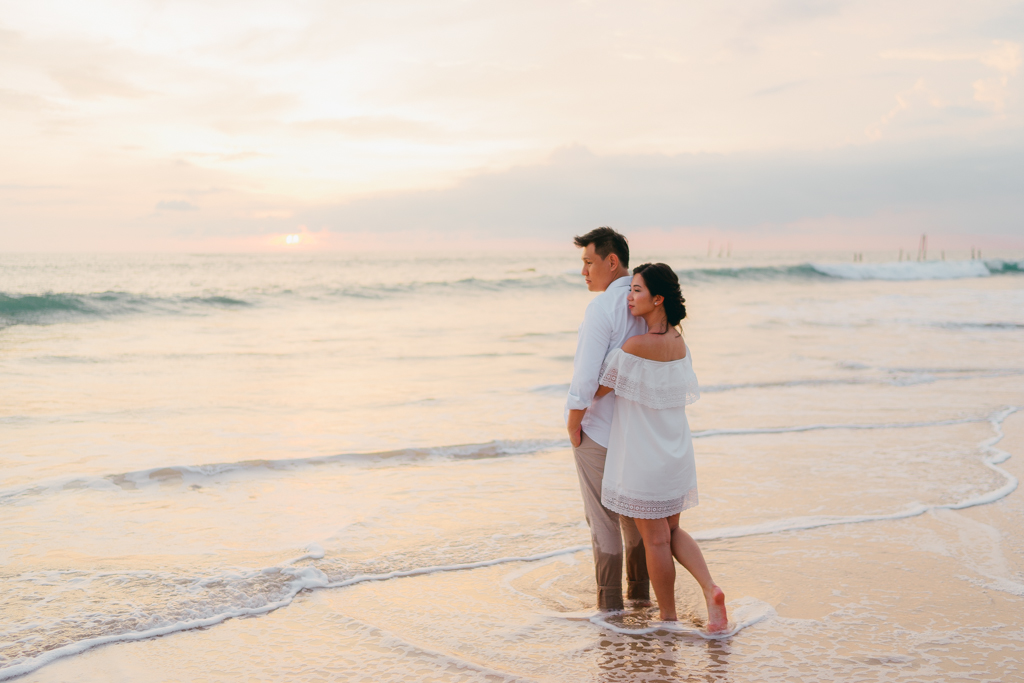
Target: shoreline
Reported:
[(94, 664)]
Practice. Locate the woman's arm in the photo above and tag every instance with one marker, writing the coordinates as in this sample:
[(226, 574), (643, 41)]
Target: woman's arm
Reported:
[(603, 391)]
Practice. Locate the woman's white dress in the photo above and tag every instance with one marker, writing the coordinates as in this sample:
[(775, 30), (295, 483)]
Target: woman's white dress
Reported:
[(649, 471)]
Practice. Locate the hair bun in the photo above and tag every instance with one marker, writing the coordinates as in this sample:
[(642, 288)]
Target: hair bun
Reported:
[(662, 281)]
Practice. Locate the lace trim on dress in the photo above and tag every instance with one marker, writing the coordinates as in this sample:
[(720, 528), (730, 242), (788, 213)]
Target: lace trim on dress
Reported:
[(636, 379), (647, 509)]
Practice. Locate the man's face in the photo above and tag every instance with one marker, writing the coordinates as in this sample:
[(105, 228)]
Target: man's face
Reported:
[(598, 272)]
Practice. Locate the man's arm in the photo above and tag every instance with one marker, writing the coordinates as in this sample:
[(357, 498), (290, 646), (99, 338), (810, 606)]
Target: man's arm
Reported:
[(591, 347), (575, 419), (574, 425)]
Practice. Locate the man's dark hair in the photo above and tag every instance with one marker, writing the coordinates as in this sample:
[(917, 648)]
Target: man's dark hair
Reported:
[(606, 241)]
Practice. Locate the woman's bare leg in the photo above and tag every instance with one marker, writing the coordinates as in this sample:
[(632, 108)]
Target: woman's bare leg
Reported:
[(662, 570), (686, 550)]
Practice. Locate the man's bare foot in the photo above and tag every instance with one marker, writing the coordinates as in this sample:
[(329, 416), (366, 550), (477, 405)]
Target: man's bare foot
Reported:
[(718, 619)]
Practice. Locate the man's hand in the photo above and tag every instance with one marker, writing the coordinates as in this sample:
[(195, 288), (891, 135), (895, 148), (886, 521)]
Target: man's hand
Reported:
[(573, 426)]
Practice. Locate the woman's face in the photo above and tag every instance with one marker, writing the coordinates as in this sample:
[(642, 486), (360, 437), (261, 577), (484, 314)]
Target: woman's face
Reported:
[(640, 300)]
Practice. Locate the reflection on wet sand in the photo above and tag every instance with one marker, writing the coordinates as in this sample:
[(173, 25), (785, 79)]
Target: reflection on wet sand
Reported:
[(660, 657)]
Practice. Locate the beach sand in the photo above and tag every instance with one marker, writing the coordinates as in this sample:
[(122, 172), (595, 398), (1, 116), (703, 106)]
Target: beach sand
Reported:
[(891, 600)]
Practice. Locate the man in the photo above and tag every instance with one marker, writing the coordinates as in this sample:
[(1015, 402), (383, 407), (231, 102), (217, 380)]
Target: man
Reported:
[(607, 323)]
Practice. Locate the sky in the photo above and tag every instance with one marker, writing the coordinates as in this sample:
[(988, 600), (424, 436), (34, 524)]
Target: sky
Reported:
[(228, 126)]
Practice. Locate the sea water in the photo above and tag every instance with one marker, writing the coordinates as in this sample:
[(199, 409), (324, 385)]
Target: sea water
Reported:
[(333, 467)]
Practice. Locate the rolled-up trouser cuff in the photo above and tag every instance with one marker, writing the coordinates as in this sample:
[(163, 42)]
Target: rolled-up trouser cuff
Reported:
[(609, 598), (638, 590)]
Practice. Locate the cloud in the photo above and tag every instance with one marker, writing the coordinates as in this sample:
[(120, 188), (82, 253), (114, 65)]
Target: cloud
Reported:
[(88, 83), (22, 186), (803, 10), (374, 127), (176, 205), (975, 190), (955, 92), (12, 99), (351, 115), (902, 104), (781, 87), (1004, 56)]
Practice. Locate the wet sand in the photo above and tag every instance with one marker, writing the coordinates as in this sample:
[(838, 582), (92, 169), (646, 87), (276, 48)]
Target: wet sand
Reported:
[(936, 597)]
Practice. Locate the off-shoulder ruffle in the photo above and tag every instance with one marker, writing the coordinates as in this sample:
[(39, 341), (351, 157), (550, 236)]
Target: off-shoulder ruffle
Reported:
[(651, 383)]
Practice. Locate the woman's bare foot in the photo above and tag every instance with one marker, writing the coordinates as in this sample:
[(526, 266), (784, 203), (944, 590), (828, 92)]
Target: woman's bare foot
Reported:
[(718, 619)]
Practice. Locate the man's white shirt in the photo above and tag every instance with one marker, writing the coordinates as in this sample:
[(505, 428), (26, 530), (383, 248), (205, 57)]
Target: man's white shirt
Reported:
[(607, 324)]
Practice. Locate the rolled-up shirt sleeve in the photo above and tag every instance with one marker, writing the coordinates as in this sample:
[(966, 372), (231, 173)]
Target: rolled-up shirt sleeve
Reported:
[(591, 348)]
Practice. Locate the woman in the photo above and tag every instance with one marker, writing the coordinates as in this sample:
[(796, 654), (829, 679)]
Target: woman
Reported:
[(649, 473)]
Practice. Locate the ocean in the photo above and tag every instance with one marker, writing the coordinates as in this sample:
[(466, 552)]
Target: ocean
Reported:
[(327, 467)]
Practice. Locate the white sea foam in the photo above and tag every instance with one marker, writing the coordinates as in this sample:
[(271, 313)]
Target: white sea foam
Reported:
[(1005, 585), (905, 270), (314, 551), (494, 449), (744, 612), (898, 377), (303, 579), (420, 571), (992, 457), (705, 433), (195, 473)]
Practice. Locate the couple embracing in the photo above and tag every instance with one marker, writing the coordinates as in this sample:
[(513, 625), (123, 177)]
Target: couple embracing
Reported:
[(632, 378)]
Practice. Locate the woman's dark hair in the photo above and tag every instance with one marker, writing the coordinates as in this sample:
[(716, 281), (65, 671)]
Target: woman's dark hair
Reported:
[(606, 241), (662, 281)]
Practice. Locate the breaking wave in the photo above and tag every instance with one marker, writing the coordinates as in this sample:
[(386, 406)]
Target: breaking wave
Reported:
[(55, 307), (58, 307), (196, 473), (910, 270), (896, 270)]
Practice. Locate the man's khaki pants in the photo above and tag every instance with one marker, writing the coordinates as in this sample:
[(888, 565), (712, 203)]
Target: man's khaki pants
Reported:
[(607, 532)]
